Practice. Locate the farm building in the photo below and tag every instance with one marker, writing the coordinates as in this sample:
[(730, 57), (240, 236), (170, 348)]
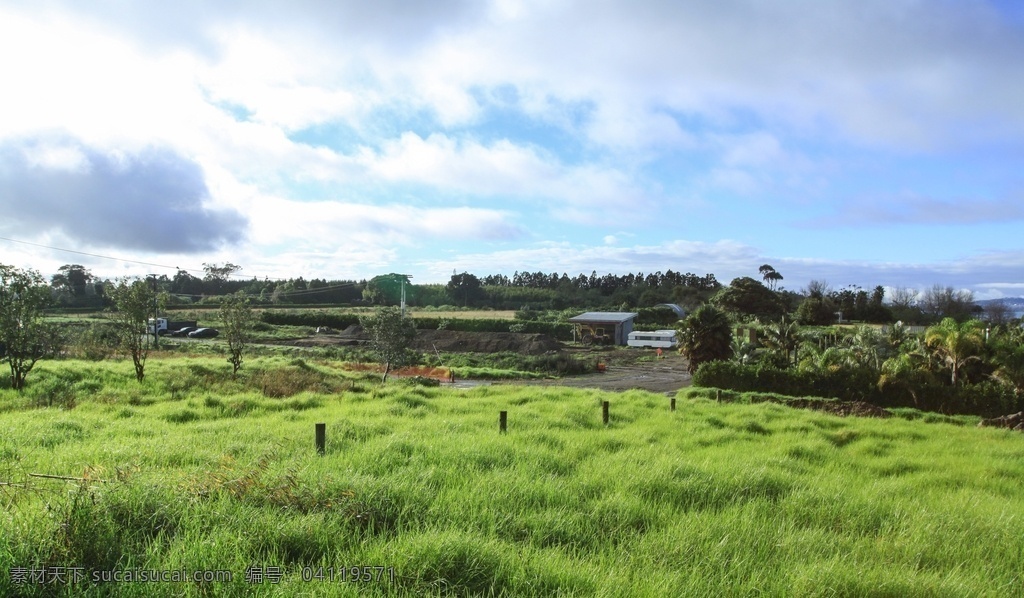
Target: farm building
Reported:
[(603, 327)]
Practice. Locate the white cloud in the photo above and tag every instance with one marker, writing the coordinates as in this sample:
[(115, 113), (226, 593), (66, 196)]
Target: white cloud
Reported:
[(324, 225), (586, 193)]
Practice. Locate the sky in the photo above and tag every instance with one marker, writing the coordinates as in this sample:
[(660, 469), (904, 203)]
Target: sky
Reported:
[(878, 142)]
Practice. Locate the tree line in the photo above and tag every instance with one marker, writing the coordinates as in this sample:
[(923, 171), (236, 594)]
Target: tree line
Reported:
[(744, 297)]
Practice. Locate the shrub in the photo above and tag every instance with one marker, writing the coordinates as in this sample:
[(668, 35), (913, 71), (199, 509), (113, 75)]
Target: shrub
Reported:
[(987, 399)]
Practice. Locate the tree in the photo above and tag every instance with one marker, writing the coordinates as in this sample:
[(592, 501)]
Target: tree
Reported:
[(134, 300), (705, 335), (903, 297), (386, 288), (818, 289), (391, 333), (783, 339), (947, 302), (236, 319), (23, 295), (770, 276), (73, 279), (216, 276), (217, 273), (815, 311), (997, 312), (956, 344), (1010, 365), (746, 296), (465, 287)]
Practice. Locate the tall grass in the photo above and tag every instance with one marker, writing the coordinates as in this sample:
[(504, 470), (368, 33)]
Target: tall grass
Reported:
[(194, 470)]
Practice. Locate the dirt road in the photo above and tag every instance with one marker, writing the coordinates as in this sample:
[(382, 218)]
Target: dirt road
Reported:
[(627, 369)]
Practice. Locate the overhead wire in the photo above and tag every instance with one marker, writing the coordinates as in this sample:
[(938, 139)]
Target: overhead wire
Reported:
[(121, 259)]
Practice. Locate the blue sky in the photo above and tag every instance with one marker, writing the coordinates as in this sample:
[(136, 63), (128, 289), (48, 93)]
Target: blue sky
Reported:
[(863, 143)]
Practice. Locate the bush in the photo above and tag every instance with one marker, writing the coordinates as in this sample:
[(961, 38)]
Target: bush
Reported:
[(987, 399), (311, 318)]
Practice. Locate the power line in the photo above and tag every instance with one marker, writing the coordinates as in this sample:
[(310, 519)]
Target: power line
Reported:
[(175, 268), (116, 259), (106, 257)]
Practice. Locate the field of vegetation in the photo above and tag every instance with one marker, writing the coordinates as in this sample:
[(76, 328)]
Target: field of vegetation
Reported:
[(195, 470)]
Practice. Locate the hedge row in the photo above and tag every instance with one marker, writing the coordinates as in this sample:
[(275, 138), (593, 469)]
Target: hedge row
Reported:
[(311, 318), (988, 399), (341, 321)]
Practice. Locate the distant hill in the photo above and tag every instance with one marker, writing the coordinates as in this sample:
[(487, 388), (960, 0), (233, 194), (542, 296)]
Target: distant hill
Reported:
[(1011, 302), (1014, 304)]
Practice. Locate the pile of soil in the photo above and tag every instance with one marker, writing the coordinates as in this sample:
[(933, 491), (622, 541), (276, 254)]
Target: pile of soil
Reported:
[(840, 408), (1014, 421), (448, 341), (451, 341)]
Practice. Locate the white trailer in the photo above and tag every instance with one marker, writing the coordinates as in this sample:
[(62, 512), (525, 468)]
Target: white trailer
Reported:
[(663, 339)]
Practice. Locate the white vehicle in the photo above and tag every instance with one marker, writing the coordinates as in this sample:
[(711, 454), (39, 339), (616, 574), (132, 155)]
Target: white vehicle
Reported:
[(164, 326), (658, 338)]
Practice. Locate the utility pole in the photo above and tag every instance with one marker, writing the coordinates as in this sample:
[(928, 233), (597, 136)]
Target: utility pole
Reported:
[(405, 278), (156, 331)]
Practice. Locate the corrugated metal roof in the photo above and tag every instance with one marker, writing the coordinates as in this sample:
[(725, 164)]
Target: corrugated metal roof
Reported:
[(604, 316)]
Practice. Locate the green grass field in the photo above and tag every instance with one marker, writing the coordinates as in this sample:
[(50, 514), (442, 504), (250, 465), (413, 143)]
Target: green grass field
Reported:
[(195, 471)]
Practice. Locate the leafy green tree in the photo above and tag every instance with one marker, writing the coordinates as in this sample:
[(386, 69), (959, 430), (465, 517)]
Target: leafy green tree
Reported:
[(956, 344), (72, 279), (23, 295), (705, 335), (134, 301), (386, 289), (770, 276), (747, 297), (908, 374), (464, 287), (236, 325), (816, 311), (391, 333)]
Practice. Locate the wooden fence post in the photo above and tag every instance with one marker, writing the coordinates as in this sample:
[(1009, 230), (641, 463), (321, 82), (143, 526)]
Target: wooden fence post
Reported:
[(503, 422), (672, 404), (604, 412), (321, 438)]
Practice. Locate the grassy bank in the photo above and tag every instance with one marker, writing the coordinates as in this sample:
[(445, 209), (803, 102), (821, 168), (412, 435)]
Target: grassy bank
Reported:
[(200, 471)]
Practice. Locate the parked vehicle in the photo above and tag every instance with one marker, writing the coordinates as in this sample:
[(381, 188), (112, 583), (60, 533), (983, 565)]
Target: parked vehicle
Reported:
[(204, 333), (184, 331), (663, 339), (164, 326)]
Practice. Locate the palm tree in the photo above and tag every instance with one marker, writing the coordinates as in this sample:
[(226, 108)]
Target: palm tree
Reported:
[(868, 348), (1010, 369), (705, 335), (956, 345), (783, 338)]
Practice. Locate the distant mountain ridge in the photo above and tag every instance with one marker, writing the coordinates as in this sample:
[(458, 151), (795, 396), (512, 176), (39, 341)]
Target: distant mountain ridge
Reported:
[(1011, 302)]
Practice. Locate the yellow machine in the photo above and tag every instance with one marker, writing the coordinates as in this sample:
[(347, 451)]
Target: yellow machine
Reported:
[(594, 335)]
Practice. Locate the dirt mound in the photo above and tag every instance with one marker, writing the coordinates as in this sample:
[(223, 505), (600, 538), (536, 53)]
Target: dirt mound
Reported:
[(1014, 421), (452, 341), (840, 408), (845, 408), (449, 341)]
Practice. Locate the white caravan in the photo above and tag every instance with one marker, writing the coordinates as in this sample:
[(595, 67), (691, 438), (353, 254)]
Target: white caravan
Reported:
[(664, 339)]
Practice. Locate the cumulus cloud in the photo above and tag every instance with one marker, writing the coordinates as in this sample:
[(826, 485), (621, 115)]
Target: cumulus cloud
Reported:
[(325, 225), (585, 193), (155, 201), (348, 128)]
